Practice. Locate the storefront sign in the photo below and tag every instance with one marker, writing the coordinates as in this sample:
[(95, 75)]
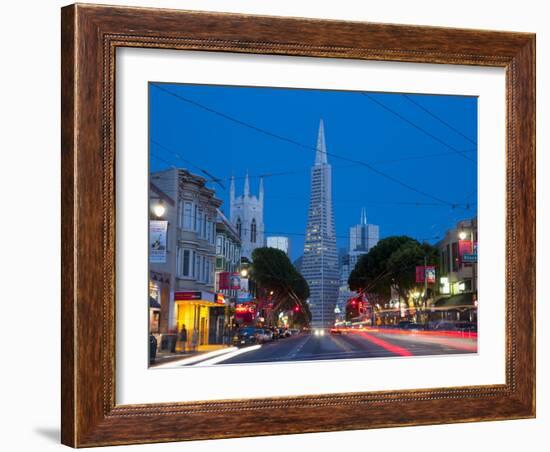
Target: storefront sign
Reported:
[(157, 241), (178, 296), (469, 258)]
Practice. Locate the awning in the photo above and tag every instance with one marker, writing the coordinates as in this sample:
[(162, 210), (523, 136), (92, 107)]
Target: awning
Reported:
[(462, 299)]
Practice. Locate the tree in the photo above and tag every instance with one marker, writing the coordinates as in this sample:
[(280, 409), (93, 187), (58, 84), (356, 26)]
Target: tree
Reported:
[(273, 271), (392, 264)]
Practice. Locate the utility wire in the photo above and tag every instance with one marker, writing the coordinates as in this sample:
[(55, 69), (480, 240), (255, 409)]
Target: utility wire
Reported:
[(463, 205), (416, 126), (454, 129), (304, 146), (203, 171)]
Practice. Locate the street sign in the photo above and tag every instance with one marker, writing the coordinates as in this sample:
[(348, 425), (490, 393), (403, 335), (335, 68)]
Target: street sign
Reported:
[(469, 258)]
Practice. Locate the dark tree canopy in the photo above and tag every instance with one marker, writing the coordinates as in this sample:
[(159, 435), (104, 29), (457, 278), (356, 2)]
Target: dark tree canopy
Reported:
[(392, 263), (273, 271)]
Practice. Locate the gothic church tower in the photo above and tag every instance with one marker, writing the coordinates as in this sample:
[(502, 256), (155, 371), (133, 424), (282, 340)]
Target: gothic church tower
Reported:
[(247, 215)]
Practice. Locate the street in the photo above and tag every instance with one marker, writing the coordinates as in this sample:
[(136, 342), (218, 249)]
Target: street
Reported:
[(366, 343)]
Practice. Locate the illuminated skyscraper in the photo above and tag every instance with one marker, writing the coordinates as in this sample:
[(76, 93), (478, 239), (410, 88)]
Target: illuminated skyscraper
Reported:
[(320, 261)]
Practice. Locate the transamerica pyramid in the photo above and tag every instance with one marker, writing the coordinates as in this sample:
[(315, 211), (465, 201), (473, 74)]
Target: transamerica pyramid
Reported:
[(320, 262)]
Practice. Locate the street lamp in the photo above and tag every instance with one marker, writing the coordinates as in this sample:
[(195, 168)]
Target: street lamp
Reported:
[(159, 209), (244, 272), (462, 235)]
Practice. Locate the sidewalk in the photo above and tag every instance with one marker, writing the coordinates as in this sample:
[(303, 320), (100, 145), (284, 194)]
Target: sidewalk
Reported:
[(164, 357)]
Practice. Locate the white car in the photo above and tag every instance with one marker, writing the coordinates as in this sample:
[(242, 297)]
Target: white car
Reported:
[(264, 335)]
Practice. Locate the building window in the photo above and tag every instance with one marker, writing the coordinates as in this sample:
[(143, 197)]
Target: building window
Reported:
[(239, 227), (184, 263), (187, 215), (253, 231), (199, 223), (197, 260), (196, 217), (219, 245)]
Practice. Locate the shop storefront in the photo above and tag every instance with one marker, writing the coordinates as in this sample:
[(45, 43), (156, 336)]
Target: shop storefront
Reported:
[(193, 311)]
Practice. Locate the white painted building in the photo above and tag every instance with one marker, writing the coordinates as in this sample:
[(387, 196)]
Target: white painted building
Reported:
[(246, 213), (279, 242)]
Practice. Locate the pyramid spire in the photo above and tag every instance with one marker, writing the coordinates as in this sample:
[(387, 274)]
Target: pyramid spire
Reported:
[(363, 216), (321, 153), (246, 185)]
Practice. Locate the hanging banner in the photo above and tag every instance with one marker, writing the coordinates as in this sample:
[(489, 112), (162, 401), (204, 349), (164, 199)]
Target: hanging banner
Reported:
[(430, 274), (235, 281), (427, 272), (157, 241), (464, 247), (229, 281)]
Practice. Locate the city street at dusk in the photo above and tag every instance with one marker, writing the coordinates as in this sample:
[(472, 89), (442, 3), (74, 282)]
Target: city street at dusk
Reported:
[(363, 343)]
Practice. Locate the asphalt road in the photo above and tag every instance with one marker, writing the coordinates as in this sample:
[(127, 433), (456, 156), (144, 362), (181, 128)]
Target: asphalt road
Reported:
[(356, 344)]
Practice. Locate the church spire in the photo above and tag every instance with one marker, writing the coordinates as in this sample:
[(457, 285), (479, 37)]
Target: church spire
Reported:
[(232, 192), (261, 194), (321, 153), (363, 216), (246, 185)]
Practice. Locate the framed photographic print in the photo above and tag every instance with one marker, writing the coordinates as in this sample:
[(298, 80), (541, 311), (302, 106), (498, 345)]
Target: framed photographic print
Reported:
[(327, 225)]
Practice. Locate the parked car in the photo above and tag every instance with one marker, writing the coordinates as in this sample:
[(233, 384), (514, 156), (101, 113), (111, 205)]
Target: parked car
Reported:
[(263, 335), (276, 333), (245, 336)]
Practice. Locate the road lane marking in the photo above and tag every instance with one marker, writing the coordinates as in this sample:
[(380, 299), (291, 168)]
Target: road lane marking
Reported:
[(219, 359), (196, 358), (298, 349)]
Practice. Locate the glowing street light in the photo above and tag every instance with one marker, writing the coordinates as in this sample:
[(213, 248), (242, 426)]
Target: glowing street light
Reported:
[(159, 209), (244, 272), (462, 235)]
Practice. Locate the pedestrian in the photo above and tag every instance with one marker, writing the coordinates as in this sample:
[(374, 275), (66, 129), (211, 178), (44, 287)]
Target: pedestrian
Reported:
[(183, 338)]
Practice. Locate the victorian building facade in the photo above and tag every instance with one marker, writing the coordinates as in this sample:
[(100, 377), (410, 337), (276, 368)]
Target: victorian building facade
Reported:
[(192, 259)]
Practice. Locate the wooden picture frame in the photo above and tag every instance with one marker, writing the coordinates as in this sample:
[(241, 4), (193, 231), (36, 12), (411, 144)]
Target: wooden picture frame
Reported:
[(90, 36)]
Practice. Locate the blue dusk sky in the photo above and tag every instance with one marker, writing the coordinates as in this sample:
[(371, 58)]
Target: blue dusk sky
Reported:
[(410, 160)]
